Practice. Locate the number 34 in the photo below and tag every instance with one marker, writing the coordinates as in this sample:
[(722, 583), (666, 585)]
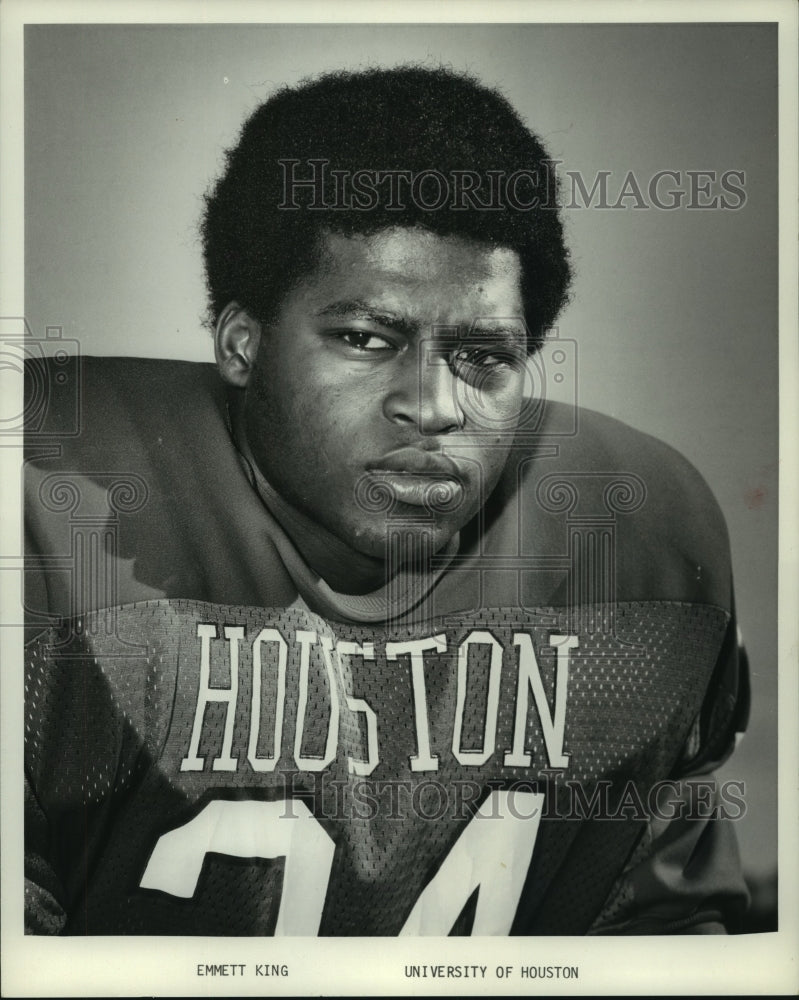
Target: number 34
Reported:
[(492, 854)]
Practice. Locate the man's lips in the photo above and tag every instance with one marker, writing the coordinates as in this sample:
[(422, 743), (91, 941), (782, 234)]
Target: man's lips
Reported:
[(421, 478), (413, 461)]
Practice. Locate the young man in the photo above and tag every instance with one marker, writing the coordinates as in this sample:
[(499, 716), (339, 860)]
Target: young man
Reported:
[(361, 638)]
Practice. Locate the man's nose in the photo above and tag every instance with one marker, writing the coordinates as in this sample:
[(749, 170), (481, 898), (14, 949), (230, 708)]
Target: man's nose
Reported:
[(426, 393)]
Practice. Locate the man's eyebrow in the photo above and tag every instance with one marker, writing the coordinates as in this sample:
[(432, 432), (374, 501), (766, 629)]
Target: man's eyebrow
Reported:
[(354, 309), (498, 330), (501, 331)]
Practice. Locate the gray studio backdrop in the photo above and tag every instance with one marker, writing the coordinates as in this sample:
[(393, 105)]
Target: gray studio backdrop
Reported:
[(674, 311)]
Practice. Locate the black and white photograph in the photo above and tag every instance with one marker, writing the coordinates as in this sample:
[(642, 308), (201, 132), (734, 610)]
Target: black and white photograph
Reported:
[(399, 495)]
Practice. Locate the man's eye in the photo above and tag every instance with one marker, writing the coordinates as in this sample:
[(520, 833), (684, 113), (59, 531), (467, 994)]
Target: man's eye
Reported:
[(364, 340), (486, 358)]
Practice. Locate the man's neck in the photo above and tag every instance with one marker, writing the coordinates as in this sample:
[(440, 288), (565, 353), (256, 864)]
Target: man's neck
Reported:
[(341, 567)]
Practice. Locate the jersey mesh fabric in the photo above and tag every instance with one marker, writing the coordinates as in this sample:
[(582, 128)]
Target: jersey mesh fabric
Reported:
[(123, 718)]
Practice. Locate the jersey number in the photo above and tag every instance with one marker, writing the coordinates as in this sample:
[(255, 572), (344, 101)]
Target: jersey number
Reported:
[(488, 855)]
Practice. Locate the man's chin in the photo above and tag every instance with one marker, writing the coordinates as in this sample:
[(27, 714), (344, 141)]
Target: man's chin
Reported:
[(403, 542)]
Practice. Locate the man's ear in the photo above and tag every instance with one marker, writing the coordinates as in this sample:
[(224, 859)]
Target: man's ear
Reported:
[(236, 344)]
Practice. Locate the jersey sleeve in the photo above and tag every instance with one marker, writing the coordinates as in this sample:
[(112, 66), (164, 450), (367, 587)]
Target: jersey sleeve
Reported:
[(684, 875), (44, 912)]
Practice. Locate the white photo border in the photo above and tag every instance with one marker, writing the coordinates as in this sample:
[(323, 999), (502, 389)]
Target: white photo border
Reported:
[(757, 964)]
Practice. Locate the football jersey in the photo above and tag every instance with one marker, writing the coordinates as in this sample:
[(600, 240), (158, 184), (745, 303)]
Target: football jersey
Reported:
[(515, 737)]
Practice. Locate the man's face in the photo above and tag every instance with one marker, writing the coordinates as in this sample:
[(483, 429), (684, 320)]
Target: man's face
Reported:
[(390, 383)]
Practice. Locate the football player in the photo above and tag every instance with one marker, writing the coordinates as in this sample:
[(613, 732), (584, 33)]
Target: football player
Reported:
[(355, 632)]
